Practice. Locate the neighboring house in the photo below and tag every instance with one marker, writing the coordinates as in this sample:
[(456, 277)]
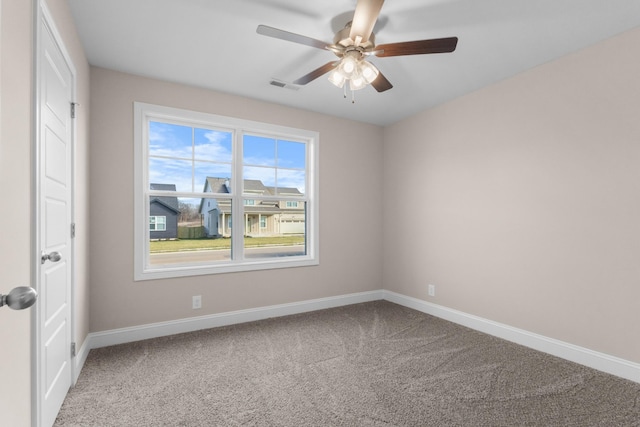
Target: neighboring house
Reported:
[(261, 217), (292, 213), (215, 212), (163, 214)]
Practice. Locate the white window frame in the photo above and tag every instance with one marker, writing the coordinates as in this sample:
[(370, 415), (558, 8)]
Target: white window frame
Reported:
[(143, 270)]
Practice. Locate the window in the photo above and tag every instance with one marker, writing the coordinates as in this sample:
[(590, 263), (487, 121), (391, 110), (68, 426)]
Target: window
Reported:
[(157, 223), (201, 170)]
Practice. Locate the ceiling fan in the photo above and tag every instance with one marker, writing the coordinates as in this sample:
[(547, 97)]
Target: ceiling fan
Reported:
[(353, 44)]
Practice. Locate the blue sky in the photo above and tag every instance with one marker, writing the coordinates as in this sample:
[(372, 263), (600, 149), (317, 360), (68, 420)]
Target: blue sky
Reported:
[(185, 156)]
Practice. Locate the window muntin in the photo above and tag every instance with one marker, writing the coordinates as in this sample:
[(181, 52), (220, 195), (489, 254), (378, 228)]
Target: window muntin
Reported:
[(272, 165)]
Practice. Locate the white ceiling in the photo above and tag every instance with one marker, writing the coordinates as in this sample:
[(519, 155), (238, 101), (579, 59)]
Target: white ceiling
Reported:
[(213, 44)]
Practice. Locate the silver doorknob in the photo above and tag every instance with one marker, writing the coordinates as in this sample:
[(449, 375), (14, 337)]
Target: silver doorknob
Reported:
[(53, 257), (19, 298)]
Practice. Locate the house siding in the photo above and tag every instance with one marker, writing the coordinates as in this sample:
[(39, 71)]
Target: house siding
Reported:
[(157, 209)]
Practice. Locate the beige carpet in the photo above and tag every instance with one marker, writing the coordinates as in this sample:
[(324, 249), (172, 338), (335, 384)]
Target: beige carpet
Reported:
[(372, 364)]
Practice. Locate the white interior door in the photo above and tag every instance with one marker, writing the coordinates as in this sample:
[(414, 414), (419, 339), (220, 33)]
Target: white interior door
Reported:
[(55, 80)]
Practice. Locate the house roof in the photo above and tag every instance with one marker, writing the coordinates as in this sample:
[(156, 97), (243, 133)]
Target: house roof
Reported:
[(169, 202), (216, 185), (252, 210), (289, 191), (255, 186), (221, 185)]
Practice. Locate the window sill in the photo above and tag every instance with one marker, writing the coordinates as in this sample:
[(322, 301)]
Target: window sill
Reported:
[(202, 270)]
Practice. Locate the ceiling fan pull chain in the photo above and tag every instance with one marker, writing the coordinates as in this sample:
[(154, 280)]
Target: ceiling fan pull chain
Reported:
[(353, 96), (345, 91)]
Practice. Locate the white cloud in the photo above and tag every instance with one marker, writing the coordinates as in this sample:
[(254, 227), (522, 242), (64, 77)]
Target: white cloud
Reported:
[(292, 179)]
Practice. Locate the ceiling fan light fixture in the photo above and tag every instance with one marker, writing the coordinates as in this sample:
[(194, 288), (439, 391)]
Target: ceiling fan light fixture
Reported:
[(348, 65), (358, 72), (337, 78), (357, 82), (368, 71)]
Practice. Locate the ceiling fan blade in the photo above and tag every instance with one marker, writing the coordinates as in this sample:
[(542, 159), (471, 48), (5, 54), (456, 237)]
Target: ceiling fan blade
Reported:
[(316, 73), (381, 83), (364, 19), (418, 47), (290, 37)]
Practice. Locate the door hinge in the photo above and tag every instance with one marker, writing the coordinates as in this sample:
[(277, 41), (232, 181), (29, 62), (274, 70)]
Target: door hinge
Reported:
[(73, 230), (73, 349), (73, 109)]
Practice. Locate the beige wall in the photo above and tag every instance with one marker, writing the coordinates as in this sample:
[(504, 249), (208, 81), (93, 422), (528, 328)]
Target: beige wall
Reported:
[(15, 169), (521, 201), (16, 176), (350, 250)]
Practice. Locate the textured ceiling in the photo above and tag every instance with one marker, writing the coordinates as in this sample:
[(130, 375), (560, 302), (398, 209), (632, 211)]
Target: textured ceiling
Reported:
[(213, 44)]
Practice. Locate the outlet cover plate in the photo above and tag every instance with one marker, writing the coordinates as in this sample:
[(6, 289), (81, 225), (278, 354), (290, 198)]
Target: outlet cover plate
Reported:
[(196, 302)]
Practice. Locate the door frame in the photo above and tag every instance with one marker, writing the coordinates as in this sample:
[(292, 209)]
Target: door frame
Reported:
[(43, 17)]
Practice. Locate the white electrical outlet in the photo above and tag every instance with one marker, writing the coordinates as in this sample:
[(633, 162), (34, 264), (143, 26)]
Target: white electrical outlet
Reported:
[(432, 290), (196, 302)]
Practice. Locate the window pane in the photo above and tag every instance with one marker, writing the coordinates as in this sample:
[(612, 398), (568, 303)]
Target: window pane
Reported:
[(204, 170), (158, 223), (259, 151), (213, 145), (291, 154), (153, 223), (281, 233), (257, 178), (291, 182), (196, 232), (177, 172), (170, 140), (163, 215)]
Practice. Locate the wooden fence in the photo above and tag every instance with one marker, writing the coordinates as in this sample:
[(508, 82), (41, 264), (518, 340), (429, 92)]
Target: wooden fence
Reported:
[(196, 232)]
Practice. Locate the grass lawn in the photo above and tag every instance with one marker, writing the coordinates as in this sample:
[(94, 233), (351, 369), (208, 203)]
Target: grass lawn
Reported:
[(222, 243)]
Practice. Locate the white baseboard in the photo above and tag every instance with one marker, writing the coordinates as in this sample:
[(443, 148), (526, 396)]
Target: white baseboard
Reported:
[(600, 361), (155, 330), (81, 357), (593, 359)]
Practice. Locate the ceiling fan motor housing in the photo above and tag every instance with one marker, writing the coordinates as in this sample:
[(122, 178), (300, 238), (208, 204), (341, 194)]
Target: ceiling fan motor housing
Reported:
[(343, 39)]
